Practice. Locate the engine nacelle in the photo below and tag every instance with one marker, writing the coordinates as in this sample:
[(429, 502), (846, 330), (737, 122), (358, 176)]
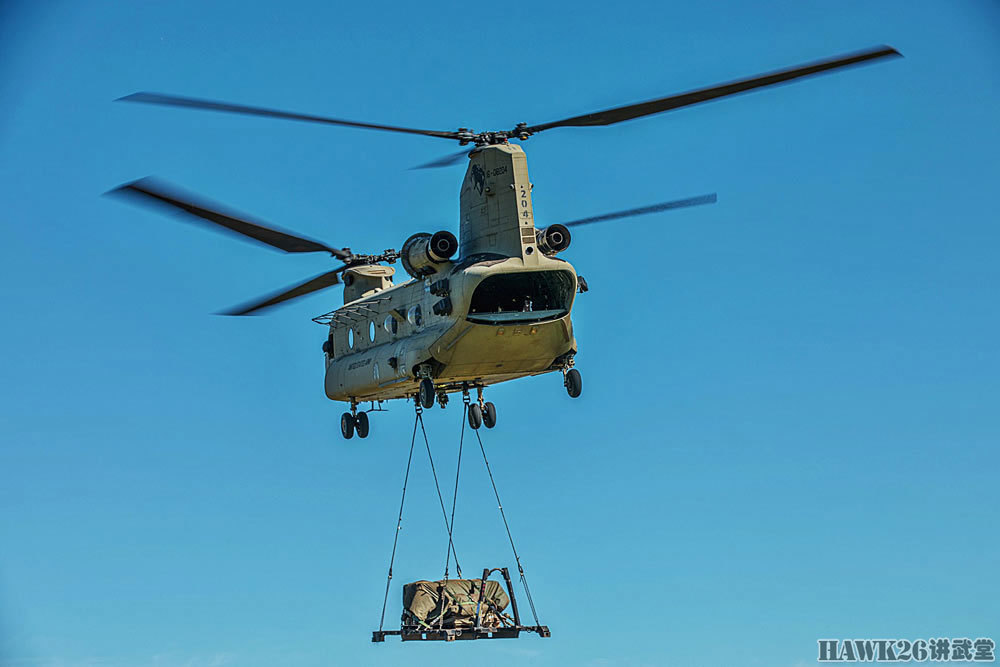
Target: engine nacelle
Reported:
[(552, 239), (423, 252)]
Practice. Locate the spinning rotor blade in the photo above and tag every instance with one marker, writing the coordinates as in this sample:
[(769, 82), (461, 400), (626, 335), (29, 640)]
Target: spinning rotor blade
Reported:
[(321, 281), (643, 210), (152, 191), (446, 161), (522, 130), (210, 105), (619, 114)]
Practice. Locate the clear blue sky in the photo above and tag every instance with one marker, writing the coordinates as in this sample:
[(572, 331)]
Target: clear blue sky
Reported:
[(789, 428)]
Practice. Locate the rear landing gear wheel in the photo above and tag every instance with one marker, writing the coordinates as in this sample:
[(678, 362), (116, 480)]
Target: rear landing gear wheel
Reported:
[(574, 383), (427, 393), (475, 416), (361, 424), (347, 425), (489, 415)]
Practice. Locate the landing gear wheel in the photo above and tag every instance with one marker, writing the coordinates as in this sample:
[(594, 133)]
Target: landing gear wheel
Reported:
[(574, 383), (475, 416), (361, 424), (427, 393), (347, 425), (490, 415)]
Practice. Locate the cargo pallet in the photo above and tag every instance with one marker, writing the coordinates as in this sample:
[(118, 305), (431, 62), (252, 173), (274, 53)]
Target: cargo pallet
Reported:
[(416, 633)]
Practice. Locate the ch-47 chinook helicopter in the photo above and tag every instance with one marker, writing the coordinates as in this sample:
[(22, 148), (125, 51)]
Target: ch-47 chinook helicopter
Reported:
[(490, 306)]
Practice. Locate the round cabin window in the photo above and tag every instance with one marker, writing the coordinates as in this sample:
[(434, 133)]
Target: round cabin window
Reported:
[(371, 331), (391, 325), (414, 316), (350, 338)]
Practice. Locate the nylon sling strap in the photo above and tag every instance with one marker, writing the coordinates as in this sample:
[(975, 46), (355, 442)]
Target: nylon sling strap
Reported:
[(454, 498), (399, 525), (524, 580), (450, 525), (437, 487), (399, 522)]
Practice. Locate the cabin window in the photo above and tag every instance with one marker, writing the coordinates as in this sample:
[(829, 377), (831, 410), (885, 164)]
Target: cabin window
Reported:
[(415, 316), (371, 331), (350, 338), (391, 325), (530, 296)]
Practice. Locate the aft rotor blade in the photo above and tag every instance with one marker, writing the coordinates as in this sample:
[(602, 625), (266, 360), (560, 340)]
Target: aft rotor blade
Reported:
[(211, 105), (446, 161), (321, 281), (150, 190), (643, 210), (619, 114)]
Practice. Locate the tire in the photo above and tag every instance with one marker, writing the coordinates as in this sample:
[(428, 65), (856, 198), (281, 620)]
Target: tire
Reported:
[(427, 393), (475, 416), (347, 425), (490, 415), (361, 424), (574, 383)]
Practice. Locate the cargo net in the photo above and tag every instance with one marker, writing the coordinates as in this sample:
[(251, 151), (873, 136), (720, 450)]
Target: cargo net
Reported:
[(452, 609)]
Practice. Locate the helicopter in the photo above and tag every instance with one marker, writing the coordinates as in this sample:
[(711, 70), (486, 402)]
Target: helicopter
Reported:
[(490, 305)]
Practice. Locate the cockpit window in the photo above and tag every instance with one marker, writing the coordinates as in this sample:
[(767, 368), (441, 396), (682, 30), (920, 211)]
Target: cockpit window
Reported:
[(531, 296)]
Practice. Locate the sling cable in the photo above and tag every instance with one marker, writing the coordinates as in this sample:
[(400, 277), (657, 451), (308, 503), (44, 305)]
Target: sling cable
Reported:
[(452, 609)]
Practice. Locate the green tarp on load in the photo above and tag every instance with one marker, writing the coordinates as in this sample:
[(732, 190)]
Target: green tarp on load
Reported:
[(423, 606)]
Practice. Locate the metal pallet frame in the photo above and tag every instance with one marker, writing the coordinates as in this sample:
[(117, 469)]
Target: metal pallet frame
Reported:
[(414, 633)]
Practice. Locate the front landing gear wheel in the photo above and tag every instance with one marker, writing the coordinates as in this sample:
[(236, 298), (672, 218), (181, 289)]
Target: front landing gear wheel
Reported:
[(489, 415), (361, 424), (427, 393), (475, 416), (347, 426), (574, 383)]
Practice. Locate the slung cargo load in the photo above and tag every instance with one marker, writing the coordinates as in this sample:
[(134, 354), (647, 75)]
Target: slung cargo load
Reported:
[(455, 603), (460, 609)]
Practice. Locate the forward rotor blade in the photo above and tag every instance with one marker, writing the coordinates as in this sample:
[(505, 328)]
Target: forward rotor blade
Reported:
[(210, 105), (321, 281), (643, 210), (150, 190), (619, 114), (446, 161)]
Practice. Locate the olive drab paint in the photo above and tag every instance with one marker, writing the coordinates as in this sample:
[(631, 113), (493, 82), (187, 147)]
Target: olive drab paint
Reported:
[(501, 309), (427, 332), (495, 204)]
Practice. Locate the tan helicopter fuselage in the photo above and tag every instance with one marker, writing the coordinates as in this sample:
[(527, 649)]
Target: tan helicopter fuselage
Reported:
[(499, 312)]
